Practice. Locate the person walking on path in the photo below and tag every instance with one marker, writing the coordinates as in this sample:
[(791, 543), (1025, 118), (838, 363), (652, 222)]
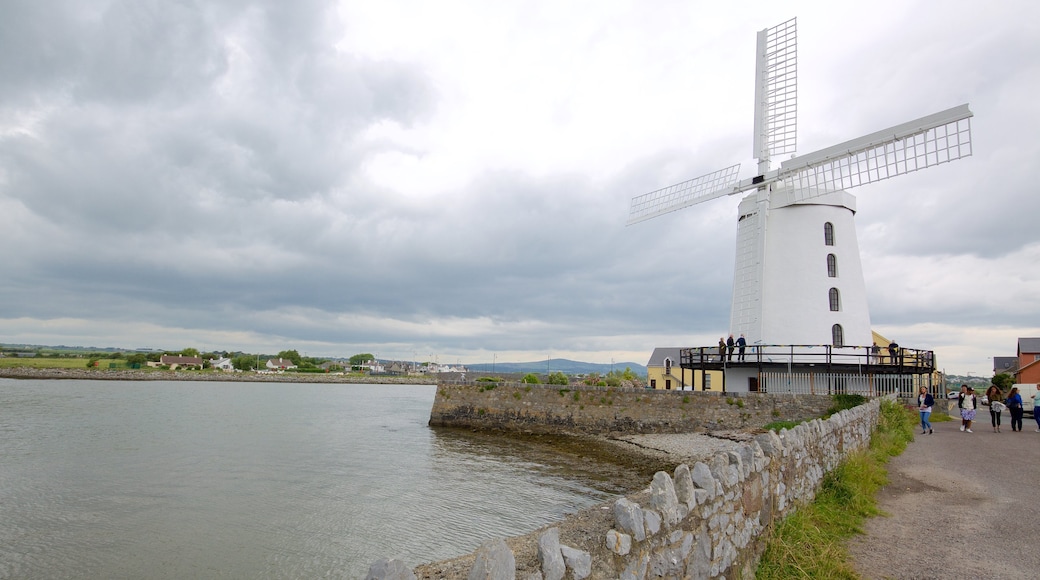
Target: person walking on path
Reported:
[(893, 352), (722, 349), (1014, 404), (993, 400), (730, 345), (741, 345), (924, 405), (1036, 410), (967, 403)]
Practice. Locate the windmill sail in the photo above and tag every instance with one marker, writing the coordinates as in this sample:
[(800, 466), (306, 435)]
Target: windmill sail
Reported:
[(776, 92), (938, 138), (690, 192)]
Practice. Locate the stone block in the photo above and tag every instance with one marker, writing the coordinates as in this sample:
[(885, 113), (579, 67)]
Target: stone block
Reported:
[(702, 478), (629, 518), (663, 498), (636, 569), (579, 561), (387, 569), (652, 520), (549, 555), (495, 561), (619, 542), (684, 486)]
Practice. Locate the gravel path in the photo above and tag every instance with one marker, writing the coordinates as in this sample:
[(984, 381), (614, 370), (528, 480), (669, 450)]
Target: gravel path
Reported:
[(960, 505)]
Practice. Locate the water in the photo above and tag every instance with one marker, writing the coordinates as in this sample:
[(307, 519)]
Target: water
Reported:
[(107, 479)]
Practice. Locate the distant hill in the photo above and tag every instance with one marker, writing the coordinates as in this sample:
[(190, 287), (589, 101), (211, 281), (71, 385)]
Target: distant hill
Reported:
[(567, 367)]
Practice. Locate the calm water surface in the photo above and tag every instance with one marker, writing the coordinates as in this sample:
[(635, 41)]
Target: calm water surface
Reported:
[(113, 479)]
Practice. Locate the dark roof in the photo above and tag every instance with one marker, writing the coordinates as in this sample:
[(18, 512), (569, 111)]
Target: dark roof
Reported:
[(168, 359), (661, 353), (1028, 345), (1005, 364)]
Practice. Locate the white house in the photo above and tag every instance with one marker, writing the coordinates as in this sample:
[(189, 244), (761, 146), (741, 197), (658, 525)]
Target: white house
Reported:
[(223, 364), (280, 364)]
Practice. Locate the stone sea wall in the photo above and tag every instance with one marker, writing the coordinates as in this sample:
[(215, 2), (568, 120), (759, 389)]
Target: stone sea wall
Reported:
[(708, 520), (604, 410)]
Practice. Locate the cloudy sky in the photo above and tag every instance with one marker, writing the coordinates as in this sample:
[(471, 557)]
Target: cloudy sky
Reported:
[(450, 180)]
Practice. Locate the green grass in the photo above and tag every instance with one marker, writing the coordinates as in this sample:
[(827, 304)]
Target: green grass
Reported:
[(48, 363), (778, 425), (811, 543)]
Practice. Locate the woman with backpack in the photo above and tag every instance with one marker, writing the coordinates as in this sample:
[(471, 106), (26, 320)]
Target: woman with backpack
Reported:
[(1014, 404)]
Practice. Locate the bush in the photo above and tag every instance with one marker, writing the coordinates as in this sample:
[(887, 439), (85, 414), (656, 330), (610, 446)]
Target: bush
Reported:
[(843, 402), (558, 378), (531, 378)]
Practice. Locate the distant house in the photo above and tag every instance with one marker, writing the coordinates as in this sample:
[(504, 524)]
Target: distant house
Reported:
[(223, 364), (1028, 371), (663, 372), (177, 361), (1005, 364), (280, 364), (398, 368)]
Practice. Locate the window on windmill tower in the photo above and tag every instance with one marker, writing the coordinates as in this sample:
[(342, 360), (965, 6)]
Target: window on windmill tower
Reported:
[(837, 335), (835, 300), (828, 234), (832, 266)]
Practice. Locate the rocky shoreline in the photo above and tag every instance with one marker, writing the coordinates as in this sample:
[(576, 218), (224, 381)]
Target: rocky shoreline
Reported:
[(164, 375)]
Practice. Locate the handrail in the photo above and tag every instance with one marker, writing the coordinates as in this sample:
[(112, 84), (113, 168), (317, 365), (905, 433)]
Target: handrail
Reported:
[(910, 359)]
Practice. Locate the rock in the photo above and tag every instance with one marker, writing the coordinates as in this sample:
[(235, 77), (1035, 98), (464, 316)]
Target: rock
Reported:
[(702, 478), (495, 561), (663, 498), (652, 520), (619, 542), (636, 569), (386, 569), (579, 561), (684, 486), (550, 556), (629, 518)]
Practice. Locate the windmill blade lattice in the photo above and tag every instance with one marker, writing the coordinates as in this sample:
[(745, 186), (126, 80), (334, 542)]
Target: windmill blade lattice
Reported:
[(690, 192), (925, 142), (776, 91)]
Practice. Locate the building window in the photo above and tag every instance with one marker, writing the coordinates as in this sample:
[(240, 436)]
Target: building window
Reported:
[(832, 266), (668, 384), (835, 300), (667, 366), (707, 381), (828, 234), (837, 335), (653, 383)]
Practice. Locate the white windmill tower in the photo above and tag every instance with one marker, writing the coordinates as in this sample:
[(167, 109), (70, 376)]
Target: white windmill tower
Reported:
[(798, 278)]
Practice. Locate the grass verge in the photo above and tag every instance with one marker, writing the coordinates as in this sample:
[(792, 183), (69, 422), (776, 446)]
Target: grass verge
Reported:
[(811, 543)]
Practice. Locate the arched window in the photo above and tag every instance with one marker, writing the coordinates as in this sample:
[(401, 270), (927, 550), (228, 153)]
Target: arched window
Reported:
[(837, 335), (828, 234), (832, 266), (835, 300), (667, 366)]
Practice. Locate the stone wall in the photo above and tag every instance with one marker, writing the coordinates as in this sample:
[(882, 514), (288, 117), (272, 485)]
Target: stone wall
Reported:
[(602, 410), (703, 521)]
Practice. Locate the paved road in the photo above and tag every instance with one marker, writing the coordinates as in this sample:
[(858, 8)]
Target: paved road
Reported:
[(961, 506)]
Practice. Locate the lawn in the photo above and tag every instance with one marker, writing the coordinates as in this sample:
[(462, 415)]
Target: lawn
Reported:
[(50, 363)]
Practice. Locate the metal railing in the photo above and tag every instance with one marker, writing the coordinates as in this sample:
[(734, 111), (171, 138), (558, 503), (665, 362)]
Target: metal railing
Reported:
[(899, 361)]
